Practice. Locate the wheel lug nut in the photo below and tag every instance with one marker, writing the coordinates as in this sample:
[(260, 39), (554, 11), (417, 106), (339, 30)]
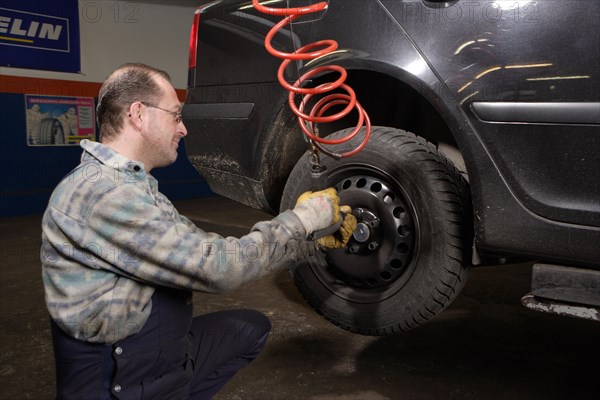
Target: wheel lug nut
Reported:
[(354, 248), (373, 245)]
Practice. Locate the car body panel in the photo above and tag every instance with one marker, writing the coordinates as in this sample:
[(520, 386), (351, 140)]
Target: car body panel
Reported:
[(535, 183)]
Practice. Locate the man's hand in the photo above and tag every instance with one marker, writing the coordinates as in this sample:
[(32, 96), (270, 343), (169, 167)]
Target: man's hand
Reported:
[(340, 238), (320, 210)]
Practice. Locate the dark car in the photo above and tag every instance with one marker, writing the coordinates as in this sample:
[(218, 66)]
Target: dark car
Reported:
[(485, 146)]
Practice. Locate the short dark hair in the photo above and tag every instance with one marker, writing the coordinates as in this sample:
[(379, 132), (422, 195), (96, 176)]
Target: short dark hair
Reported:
[(127, 84)]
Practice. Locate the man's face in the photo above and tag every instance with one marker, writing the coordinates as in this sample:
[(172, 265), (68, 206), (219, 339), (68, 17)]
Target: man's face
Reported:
[(163, 132)]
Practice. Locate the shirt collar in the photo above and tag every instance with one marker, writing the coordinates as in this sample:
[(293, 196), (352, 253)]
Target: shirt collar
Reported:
[(114, 160)]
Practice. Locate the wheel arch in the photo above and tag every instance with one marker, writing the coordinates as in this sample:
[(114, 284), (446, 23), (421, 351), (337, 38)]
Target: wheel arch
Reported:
[(425, 109)]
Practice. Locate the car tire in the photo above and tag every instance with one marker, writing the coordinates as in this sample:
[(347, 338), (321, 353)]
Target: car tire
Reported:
[(51, 132), (410, 256)]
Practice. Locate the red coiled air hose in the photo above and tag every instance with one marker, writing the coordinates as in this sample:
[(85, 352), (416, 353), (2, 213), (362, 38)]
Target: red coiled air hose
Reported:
[(316, 113)]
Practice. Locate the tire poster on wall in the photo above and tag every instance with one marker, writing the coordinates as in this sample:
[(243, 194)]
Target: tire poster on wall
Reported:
[(58, 120)]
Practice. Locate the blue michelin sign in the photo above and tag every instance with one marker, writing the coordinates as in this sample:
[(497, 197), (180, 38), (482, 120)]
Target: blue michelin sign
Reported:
[(40, 35)]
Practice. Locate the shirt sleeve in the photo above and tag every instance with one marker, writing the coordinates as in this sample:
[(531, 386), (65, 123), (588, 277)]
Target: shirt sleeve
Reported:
[(136, 238)]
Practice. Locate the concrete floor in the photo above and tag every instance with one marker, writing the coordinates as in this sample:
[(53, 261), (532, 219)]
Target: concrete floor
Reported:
[(485, 346)]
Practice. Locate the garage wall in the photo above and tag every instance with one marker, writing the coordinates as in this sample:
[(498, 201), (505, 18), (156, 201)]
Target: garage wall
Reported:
[(112, 33)]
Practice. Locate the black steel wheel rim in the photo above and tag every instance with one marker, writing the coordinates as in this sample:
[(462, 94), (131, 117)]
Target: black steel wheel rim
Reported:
[(380, 257)]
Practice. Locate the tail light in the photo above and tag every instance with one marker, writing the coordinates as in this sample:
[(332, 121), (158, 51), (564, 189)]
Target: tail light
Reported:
[(194, 40)]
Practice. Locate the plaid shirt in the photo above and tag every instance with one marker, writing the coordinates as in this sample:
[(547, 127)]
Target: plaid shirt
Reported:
[(109, 237)]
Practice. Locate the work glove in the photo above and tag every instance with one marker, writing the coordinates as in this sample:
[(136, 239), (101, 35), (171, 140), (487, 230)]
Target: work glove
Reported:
[(318, 210), (340, 238)]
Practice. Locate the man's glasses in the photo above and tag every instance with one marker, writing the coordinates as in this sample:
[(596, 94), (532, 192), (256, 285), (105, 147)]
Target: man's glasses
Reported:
[(176, 115)]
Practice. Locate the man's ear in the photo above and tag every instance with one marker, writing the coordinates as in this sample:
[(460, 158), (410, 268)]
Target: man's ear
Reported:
[(134, 114)]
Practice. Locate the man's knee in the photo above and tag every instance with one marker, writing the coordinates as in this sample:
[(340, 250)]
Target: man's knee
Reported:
[(261, 323), (252, 327)]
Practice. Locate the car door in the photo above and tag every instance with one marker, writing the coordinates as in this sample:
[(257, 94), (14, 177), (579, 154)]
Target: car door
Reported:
[(526, 75)]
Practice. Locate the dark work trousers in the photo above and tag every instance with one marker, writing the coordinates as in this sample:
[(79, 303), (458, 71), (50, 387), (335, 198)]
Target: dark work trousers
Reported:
[(173, 356)]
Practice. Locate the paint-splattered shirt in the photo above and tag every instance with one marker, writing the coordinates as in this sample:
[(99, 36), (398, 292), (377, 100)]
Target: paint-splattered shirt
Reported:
[(109, 237)]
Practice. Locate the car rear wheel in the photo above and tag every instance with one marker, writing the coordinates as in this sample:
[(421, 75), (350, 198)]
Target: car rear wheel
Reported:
[(409, 257)]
